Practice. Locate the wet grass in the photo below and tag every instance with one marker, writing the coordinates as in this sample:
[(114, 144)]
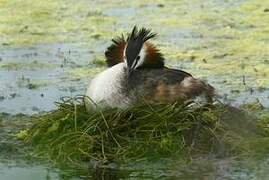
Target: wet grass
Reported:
[(72, 136)]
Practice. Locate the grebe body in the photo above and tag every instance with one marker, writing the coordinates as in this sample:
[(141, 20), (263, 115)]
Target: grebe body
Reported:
[(106, 88), (137, 74)]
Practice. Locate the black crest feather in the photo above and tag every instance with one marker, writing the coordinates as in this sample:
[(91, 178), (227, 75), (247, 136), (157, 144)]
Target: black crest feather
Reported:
[(135, 42), (132, 45), (142, 35)]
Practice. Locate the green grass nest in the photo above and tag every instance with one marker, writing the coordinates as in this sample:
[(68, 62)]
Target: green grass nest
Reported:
[(71, 134)]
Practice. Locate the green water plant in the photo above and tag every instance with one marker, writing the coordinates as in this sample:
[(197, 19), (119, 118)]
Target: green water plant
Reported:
[(74, 135)]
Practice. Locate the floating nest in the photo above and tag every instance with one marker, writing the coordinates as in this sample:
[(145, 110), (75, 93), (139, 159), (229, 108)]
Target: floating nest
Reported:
[(72, 134)]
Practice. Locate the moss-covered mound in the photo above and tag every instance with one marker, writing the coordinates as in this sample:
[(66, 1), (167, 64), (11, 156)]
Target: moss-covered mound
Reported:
[(70, 134)]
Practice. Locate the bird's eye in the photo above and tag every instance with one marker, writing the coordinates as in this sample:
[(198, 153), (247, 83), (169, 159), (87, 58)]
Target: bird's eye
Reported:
[(138, 57)]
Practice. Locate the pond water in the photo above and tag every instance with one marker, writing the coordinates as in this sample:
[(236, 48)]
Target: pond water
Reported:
[(52, 50), (26, 172)]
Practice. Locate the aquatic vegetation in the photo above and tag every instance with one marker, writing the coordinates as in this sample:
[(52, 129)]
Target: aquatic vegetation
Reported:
[(208, 38), (225, 42), (26, 66), (98, 61), (115, 134), (264, 123), (85, 71), (71, 134), (27, 22)]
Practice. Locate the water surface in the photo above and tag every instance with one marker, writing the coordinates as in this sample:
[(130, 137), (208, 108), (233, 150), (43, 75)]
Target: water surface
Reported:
[(52, 49)]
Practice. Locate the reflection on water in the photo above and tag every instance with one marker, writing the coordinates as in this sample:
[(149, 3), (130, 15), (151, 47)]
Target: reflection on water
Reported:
[(14, 172), (201, 168)]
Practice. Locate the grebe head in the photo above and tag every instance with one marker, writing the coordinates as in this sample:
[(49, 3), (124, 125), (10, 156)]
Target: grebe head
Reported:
[(135, 51)]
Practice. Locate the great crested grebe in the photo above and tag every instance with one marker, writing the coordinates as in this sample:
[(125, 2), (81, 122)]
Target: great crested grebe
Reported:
[(137, 74)]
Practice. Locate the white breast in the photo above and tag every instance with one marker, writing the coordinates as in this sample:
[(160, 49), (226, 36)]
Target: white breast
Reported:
[(105, 88)]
